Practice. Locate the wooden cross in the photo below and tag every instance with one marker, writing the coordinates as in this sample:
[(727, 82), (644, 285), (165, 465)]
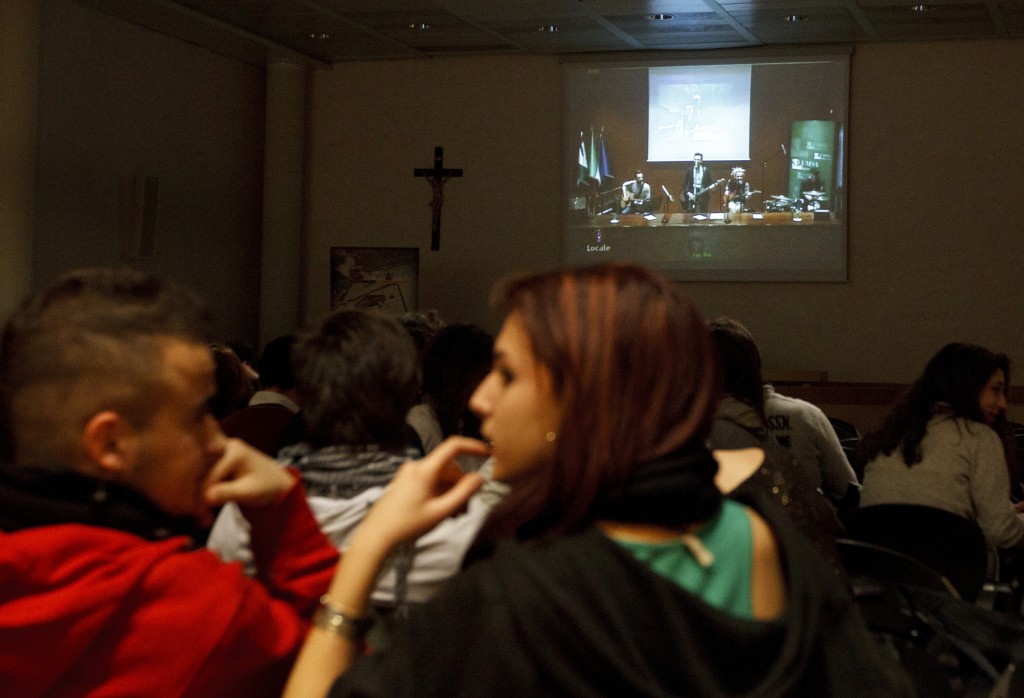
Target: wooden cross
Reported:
[(436, 177)]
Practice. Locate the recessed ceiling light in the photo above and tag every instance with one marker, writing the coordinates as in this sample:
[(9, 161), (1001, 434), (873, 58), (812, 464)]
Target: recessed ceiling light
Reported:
[(321, 36), (795, 18), (422, 26), (548, 28), (660, 17)]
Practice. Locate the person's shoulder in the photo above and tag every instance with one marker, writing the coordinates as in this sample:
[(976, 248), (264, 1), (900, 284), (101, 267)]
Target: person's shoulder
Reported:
[(776, 400), (959, 433), (959, 426), (74, 554)]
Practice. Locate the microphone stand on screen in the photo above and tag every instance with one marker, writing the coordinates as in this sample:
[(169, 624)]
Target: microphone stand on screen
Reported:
[(764, 166)]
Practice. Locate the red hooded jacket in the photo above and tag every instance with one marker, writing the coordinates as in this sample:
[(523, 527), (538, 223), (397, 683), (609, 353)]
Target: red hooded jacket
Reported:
[(94, 611)]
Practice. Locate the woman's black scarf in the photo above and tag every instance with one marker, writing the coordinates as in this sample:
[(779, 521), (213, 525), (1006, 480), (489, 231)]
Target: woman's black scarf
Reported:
[(671, 491)]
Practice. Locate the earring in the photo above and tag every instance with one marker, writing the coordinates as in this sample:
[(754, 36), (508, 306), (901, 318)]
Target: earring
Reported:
[(551, 436)]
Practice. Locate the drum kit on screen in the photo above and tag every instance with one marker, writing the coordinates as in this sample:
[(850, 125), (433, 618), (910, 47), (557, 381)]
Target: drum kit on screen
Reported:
[(807, 201)]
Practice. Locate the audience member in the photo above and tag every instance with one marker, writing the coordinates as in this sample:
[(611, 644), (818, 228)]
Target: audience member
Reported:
[(247, 355), (454, 363), (943, 444), (112, 462), (614, 566), (798, 426), (357, 376), (741, 423), (421, 326), (233, 385), (270, 420)]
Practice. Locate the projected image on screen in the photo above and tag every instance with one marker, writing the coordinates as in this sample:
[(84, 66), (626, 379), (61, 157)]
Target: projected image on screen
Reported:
[(709, 169), (699, 109)]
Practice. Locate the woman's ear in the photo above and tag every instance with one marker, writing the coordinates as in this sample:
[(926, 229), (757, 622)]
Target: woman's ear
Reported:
[(110, 443)]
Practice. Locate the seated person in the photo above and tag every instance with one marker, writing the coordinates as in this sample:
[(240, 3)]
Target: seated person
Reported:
[(812, 190), (234, 387), (741, 422), (271, 419), (636, 195), (799, 427), (614, 558), (112, 464), (945, 444), (357, 376), (454, 362)]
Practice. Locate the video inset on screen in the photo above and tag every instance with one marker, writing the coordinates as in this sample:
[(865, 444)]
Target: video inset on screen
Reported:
[(730, 169)]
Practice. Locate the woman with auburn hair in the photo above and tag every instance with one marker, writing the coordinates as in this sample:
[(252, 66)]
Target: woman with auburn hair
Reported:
[(615, 566)]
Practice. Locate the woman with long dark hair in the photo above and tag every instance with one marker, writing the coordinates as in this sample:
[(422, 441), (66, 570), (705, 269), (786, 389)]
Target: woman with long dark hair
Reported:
[(614, 566), (946, 444)]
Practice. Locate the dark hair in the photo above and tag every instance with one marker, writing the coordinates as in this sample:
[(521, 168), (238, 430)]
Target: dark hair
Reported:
[(90, 341), (740, 362), (633, 369), (233, 386), (421, 326), (357, 377), (701, 155), (274, 365), (951, 383), (243, 350), (454, 363)]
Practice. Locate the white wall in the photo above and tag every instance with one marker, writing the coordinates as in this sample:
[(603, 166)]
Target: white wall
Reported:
[(935, 207)]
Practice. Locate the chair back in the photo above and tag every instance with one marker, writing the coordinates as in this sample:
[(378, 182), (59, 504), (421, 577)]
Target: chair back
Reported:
[(866, 563), (844, 429), (953, 546)]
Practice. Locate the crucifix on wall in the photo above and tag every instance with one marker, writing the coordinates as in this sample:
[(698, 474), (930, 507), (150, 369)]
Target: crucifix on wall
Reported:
[(436, 177)]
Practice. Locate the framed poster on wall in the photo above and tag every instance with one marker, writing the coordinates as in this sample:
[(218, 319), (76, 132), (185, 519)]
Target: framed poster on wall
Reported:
[(377, 278)]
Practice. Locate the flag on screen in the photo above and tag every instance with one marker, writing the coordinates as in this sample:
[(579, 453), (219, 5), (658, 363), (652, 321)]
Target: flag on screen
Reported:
[(584, 168), (594, 163), (605, 168)]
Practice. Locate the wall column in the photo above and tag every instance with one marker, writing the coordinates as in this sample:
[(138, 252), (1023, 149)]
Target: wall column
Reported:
[(19, 78), (281, 255)]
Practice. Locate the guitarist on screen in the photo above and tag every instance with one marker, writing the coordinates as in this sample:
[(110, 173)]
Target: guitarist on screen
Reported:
[(636, 195), (696, 186)]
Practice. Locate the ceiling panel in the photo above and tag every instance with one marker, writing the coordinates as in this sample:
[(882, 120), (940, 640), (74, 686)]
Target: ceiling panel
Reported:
[(341, 30)]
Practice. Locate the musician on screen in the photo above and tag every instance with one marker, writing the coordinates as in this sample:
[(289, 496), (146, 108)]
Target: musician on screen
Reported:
[(696, 186), (636, 195), (737, 190), (812, 191)]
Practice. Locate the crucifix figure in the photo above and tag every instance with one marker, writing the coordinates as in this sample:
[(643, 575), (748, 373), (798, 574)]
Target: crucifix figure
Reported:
[(436, 177)]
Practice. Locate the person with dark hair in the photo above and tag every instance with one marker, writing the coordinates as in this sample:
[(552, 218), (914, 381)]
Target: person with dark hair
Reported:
[(233, 385), (636, 195), (812, 190), (270, 420), (112, 467), (421, 326), (614, 566), (357, 376), (741, 423), (697, 184), (454, 363), (801, 429), (247, 355), (943, 444)]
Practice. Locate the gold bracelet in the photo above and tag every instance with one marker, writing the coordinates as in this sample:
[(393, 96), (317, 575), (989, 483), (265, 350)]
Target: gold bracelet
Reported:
[(340, 622)]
